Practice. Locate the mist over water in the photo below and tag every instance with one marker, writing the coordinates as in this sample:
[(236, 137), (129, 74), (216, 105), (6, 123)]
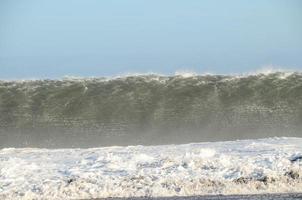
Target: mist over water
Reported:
[(149, 110)]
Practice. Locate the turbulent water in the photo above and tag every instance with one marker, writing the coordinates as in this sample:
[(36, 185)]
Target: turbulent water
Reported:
[(149, 109), (271, 165)]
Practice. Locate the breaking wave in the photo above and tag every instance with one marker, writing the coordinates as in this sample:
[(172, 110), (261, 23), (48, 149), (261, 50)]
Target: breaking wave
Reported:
[(149, 109)]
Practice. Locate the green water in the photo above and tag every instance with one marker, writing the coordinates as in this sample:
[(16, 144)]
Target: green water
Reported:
[(149, 110)]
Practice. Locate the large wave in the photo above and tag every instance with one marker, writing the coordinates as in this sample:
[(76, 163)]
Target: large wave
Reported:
[(149, 109)]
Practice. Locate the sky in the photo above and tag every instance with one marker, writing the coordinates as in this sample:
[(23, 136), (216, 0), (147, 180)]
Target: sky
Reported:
[(55, 38)]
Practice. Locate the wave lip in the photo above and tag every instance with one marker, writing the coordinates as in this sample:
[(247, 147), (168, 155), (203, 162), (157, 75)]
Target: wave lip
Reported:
[(272, 165)]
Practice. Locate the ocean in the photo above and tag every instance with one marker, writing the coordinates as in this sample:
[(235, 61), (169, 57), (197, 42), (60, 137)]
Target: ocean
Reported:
[(149, 110), (152, 137)]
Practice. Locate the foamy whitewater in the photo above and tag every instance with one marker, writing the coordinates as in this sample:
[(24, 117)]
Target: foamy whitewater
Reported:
[(272, 165)]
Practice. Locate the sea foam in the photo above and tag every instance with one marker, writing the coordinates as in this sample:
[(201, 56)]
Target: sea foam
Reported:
[(272, 165)]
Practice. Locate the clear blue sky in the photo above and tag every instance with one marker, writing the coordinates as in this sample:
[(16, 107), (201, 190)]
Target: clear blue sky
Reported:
[(53, 38)]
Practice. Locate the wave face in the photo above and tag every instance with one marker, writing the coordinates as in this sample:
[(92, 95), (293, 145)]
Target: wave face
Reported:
[(149, 109)]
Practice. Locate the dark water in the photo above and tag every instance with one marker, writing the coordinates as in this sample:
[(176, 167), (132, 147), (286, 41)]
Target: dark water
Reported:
[(226, 197), (149, 110)]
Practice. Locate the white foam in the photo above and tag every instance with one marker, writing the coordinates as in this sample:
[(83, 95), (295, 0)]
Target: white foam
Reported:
[(185, 73), (264, 71), (235, 167)]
